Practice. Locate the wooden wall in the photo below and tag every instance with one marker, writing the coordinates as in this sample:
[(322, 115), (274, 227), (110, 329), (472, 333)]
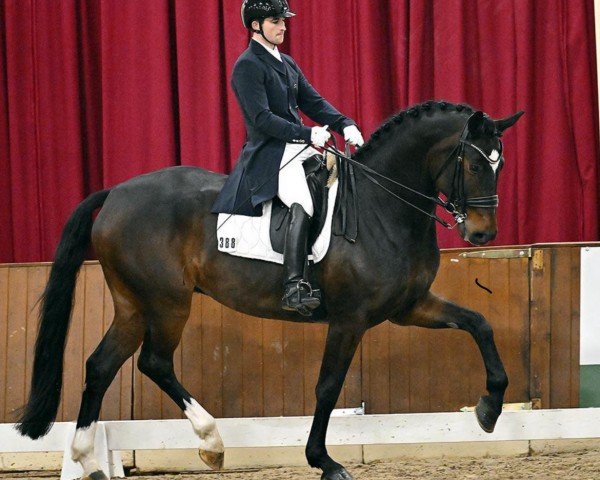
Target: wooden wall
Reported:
[(20, 288), (238, 365)]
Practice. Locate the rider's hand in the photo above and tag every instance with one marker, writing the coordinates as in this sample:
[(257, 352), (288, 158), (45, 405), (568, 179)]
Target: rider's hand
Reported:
[(319, 135), (353, 136)]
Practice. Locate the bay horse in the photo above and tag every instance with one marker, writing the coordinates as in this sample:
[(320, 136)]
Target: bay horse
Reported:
[(155, 239)]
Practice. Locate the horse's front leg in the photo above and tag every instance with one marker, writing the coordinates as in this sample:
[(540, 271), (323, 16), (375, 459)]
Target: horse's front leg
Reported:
[(340, 347), (433, 312)]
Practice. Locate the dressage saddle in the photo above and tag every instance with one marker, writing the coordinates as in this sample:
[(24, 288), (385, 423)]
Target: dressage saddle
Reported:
[(319, 176)]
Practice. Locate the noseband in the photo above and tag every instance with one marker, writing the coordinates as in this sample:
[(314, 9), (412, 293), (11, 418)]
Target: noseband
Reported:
[(457, 200)]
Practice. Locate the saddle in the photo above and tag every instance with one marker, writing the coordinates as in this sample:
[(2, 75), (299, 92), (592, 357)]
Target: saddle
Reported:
[(320, 174)]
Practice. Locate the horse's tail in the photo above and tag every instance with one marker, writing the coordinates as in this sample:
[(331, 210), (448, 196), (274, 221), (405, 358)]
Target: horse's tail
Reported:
[(55, 311)]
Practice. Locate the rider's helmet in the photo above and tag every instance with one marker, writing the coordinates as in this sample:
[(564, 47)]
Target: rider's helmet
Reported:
[(261, 9)]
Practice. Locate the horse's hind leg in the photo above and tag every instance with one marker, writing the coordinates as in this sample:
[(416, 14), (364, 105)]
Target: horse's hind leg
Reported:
[(433, 312), (156, 361), (120, 342)]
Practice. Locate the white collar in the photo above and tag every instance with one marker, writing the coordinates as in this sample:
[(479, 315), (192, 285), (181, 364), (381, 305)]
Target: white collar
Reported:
[(273, 51)]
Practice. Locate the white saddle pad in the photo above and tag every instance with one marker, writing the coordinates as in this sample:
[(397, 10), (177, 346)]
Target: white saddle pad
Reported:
[(248, 237)]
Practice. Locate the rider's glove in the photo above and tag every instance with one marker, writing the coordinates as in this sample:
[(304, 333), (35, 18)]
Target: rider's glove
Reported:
[(353, 136), (319, 135)]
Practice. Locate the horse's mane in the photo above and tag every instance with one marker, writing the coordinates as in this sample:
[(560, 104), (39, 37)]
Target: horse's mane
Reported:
[(413, 112)]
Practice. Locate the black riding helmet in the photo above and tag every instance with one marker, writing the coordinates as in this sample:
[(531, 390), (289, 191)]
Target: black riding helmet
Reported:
[(261, 9)]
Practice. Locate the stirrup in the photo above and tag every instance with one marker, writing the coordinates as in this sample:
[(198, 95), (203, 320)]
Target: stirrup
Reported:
[(301, 297)]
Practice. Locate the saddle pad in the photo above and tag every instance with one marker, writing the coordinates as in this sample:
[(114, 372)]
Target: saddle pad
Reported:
[(249, 237)]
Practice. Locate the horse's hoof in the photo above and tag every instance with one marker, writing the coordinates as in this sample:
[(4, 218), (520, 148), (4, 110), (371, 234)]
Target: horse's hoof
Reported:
[(487, 414), (341, 474), (214, 460), (98, 475)]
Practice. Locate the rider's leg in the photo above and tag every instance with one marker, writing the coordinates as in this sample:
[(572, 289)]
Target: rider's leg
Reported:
[(293, 191), (292, 180)]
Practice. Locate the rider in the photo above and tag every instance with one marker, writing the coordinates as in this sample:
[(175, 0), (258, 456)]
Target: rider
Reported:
[(271, 89)]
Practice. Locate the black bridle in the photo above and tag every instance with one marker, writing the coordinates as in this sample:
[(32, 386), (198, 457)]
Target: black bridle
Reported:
[(457, 201)]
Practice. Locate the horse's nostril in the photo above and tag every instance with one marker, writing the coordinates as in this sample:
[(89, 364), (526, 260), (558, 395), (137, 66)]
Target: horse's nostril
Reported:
[(481, 238)]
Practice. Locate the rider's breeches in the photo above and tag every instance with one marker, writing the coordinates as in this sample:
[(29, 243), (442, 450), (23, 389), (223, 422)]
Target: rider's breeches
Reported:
[(292, 181)]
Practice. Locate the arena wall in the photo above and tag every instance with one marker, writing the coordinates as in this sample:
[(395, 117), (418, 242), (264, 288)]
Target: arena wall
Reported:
[(241, 366)]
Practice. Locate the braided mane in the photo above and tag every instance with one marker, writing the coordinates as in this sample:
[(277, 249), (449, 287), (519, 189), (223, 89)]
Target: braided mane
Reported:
[(412, 112)]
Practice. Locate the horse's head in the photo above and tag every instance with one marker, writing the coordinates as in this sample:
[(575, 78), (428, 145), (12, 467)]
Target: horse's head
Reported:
[(470, 176)]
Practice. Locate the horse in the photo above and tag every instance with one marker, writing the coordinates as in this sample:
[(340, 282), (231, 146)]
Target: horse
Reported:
[(155, 239)]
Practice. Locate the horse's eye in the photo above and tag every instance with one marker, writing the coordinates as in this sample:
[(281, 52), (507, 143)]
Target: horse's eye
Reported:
[(474, 168)]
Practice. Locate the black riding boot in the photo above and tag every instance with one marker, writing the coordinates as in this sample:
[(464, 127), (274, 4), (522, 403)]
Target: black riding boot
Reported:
[(298, 294)]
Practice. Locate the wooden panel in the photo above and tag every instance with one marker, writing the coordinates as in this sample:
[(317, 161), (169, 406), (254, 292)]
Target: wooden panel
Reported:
[(252, 379), (560, 308), (540, 332), (377, 344), (233, 364), (16, 345), (314, 345), (399, 369), (517, 362), (564, 308), (575, 326), (273, 368), (293, 365), (4, 279), (352, 392)]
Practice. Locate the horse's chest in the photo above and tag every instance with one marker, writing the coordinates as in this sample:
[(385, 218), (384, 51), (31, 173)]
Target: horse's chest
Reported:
[(382, 286)]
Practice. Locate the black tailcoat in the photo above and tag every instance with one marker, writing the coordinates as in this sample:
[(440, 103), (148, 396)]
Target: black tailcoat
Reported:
[(270, 93)]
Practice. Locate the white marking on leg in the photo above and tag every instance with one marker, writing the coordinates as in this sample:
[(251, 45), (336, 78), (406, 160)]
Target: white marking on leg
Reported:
[(205, 426), (82, 449)]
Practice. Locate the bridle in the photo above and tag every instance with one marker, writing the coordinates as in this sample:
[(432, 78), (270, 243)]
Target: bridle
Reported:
[(457, 201)]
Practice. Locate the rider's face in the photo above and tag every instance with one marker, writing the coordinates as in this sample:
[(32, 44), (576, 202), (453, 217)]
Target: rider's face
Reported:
[(274, 30)]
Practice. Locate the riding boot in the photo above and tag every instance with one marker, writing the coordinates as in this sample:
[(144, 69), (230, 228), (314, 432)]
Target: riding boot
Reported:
[(298, 293)]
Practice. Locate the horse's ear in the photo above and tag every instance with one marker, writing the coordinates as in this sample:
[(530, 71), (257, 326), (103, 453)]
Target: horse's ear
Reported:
[(476, 123), (508, 122)]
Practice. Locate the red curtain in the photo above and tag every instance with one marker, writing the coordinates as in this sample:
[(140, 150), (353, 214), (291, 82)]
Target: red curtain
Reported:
[(95, 92)]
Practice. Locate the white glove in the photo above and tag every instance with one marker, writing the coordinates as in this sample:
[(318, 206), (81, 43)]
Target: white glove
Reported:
[(319, 135), (353, 136)]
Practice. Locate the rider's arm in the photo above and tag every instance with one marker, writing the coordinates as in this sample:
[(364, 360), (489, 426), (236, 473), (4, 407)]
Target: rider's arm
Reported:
[(317, 108), (248, 82)]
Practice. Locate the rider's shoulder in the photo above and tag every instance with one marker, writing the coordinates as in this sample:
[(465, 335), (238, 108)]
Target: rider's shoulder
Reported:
[(247, 63), (289, 60)]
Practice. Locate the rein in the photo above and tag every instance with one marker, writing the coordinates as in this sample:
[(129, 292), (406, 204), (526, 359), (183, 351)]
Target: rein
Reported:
[(368, 171), (456, 203)]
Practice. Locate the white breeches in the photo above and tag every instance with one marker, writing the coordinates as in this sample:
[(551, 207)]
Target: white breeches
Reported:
[(292, 181)]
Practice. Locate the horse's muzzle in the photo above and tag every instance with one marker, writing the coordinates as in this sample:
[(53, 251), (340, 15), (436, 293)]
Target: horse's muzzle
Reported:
[(480, 237), (475, 234)]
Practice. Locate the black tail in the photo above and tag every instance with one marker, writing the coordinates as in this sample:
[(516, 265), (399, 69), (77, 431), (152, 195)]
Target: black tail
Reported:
[(55, 311)]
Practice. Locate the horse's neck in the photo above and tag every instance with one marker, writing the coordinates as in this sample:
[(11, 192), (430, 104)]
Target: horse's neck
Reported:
[(405, 162)]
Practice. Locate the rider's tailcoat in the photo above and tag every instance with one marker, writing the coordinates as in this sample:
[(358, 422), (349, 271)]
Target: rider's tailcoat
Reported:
[(270, 93)]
